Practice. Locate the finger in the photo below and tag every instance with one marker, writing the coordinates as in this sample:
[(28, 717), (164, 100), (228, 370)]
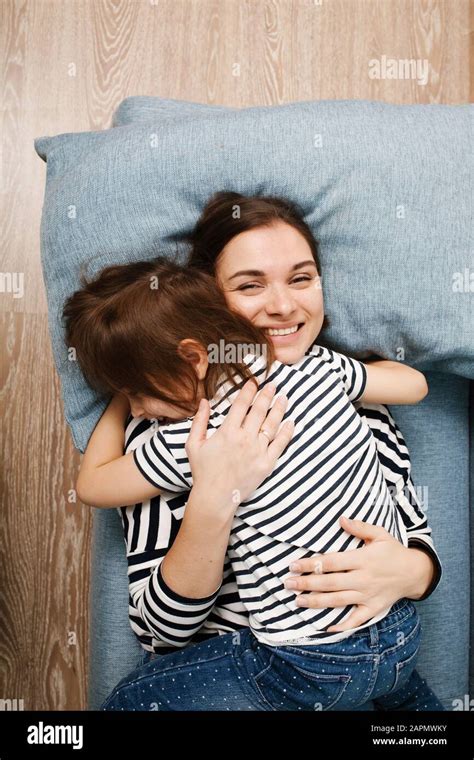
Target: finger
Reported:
[(272, 421), (259, 410), (198, 431), (240, 405), (361, 529), (317, 601), (329, 563), (358, 617), (280, 442), (351, 581)]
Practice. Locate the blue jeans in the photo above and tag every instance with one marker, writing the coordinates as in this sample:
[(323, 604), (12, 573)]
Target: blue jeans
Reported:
[(373, 669)]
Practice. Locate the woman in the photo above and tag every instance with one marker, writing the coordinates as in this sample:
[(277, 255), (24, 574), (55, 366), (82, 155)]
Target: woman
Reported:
[(263, 256)]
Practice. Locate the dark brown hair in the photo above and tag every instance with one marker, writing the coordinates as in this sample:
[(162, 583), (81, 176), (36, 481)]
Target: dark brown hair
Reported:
[(228, 213), (127, 323)]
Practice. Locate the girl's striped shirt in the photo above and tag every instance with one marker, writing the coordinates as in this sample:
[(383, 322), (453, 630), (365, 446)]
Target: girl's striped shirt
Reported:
[(341, 459)]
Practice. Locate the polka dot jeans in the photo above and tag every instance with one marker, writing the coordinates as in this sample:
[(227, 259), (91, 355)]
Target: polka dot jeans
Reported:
[(372, 669)]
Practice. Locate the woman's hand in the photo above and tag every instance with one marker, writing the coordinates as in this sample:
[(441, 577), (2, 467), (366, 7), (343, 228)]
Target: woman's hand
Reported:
[(226, 467), (234, 460), (373, 577)]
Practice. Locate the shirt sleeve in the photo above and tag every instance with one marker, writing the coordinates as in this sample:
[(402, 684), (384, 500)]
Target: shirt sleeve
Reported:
[(149, 530), (157, 464), (418, 530), (351, 372), (172, 618), (395, 461)]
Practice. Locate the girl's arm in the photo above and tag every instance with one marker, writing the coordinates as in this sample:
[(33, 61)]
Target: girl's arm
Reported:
[(107, 477), (390, 382)]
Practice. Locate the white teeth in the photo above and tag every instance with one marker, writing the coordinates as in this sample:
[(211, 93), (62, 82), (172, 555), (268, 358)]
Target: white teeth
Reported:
[(286, 331)]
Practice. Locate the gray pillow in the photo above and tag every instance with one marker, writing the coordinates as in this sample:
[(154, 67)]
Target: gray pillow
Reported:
[(385, 188)]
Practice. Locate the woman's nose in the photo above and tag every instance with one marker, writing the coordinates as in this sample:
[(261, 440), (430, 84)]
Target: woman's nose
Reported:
[(280, 301)]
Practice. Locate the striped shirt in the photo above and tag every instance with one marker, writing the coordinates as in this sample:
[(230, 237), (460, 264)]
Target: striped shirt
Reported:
[(341, 459)]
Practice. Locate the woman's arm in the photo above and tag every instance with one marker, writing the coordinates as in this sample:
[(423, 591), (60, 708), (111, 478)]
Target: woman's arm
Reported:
[(175, 577), (180, 590), (423, 567), (107, 477), (383, 570), (193, 565), (226, 469), (390, 382), (373, 577), (395, 462)]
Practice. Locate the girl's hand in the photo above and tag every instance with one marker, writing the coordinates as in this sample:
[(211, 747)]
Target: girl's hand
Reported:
[(234, 460), (373, 577)]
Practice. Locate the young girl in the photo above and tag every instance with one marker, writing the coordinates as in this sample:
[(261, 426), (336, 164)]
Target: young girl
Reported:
[(330, 468)]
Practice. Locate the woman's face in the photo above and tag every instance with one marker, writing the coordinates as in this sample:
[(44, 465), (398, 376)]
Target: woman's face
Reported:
[(269, 275)]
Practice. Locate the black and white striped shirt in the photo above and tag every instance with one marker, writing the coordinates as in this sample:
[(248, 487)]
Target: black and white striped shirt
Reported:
[(318, 388)]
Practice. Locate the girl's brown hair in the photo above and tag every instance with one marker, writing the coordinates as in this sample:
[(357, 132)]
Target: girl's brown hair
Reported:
[(126, 326), (228, 213)]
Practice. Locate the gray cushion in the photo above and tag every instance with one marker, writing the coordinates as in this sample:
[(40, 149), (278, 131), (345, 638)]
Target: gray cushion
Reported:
[(388, 283), (385, 188)]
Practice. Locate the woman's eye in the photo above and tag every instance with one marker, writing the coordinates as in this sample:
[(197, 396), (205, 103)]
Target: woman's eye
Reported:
[(296, 280), (247, 287), (302, 278)]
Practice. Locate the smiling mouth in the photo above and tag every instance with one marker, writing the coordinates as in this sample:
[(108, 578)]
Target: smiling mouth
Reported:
[(284, 330)]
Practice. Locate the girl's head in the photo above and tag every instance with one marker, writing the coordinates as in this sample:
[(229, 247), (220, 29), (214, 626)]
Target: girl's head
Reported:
[(265, 260), (149, 330)]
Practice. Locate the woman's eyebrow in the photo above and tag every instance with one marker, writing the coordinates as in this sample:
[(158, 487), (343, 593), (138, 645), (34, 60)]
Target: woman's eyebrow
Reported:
[(257, 273)]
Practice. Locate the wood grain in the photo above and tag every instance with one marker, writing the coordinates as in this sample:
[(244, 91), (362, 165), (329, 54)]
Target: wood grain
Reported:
[(67, 64), (44, 536)]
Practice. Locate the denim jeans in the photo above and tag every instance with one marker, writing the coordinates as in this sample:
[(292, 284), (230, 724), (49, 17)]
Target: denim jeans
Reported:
[(372, 669)]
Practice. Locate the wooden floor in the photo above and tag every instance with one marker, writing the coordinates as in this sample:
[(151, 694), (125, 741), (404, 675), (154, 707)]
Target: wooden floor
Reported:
[(282, 51)]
